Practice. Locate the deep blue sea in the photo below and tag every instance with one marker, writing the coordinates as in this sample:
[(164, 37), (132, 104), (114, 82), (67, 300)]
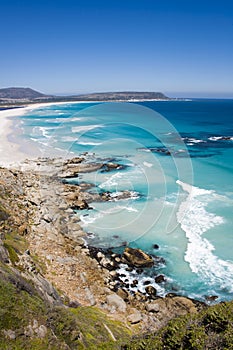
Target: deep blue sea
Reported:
[(178, 158)]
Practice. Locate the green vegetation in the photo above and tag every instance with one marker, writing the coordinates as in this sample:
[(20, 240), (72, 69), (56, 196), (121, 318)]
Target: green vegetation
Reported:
[(27, 322), (211, 329)]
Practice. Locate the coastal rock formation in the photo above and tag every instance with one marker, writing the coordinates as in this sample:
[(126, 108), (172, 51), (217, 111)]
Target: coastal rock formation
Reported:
[(43, 249), (137, 258)]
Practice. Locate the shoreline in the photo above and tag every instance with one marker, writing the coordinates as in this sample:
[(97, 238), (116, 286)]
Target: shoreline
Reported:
[(16, 151), (54, 235)]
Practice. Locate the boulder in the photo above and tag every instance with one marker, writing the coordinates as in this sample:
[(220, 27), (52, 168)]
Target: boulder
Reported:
[(137, 258), (151, 291), (153, 307), (160, 279), (135, 317), (80, 205), (115, 301)]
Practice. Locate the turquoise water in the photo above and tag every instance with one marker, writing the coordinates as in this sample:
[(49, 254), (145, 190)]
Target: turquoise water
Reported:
[(178, 167)]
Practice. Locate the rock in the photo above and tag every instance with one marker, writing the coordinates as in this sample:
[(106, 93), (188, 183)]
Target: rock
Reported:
[(135, 317), (123, 293), (74, 304), (151, 291), (4, 256), (134, 283), (180, 305), (75, 160), (90, 297), (155, 246), (137, 258), (211, 297), (146, 283), (41, 331), (100, 255), (79, 205), (107, 263), (160, 279), (114, 300), (9, 334), (152, 307)]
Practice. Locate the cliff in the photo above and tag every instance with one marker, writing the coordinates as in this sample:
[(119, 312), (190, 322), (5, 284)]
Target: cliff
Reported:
[(57, 293)]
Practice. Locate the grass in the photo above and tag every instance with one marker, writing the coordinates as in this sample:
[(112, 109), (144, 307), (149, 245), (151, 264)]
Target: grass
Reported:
[(81, 328), (211, 329)]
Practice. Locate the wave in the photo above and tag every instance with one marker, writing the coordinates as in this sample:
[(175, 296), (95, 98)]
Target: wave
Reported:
[(143, 279), (196, 220), (112, 181), (89, 143), (220, 138), (148, 165), (84, 128), (42, 131)]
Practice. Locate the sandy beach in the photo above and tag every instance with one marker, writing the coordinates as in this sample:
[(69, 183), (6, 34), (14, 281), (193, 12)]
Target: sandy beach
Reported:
[(12, 152)]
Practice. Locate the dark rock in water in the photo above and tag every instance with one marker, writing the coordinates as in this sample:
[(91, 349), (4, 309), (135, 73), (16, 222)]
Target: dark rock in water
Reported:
[(139, 271), (160, 279), (158, 260), (211, 297), (122, 275), (151, 291), (160, 150), (155, 246), (134, 283), (146, 283), (137, 258), (129, 269), (112, 166)]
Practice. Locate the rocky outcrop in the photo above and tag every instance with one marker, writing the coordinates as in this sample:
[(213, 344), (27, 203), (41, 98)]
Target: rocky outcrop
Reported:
[(137, 258), (41, 209)]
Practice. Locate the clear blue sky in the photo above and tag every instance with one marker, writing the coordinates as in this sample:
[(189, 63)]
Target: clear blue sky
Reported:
[(182, 48)]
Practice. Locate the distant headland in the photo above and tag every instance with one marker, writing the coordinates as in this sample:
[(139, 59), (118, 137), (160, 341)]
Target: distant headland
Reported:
[(20, 96)]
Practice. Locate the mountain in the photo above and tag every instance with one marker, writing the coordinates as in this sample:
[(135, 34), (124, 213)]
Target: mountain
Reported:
[(123, 95), (20, 93)]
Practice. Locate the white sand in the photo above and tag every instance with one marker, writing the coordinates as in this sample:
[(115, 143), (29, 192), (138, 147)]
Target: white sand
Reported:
[(10, 152)]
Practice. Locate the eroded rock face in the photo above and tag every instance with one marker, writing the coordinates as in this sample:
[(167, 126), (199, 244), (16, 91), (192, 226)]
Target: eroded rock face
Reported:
[(137, 258)]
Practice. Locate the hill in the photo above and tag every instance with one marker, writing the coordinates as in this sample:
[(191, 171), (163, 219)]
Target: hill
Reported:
[(21, 93), (124, 95)]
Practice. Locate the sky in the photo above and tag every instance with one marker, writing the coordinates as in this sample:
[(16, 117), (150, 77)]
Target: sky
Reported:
[(181, 48)]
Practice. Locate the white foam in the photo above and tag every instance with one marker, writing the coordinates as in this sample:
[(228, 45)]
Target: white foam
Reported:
[(224, 138), (196, 140), (148, 165), (89, 143), (42, 131), (117, 194), (112, 181), (129, 277), (88, 219), (196, 220), (215, 138), (69, 139), (84, 128)]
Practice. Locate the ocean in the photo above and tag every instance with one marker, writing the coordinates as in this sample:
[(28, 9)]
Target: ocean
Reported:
[(177, 164)]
